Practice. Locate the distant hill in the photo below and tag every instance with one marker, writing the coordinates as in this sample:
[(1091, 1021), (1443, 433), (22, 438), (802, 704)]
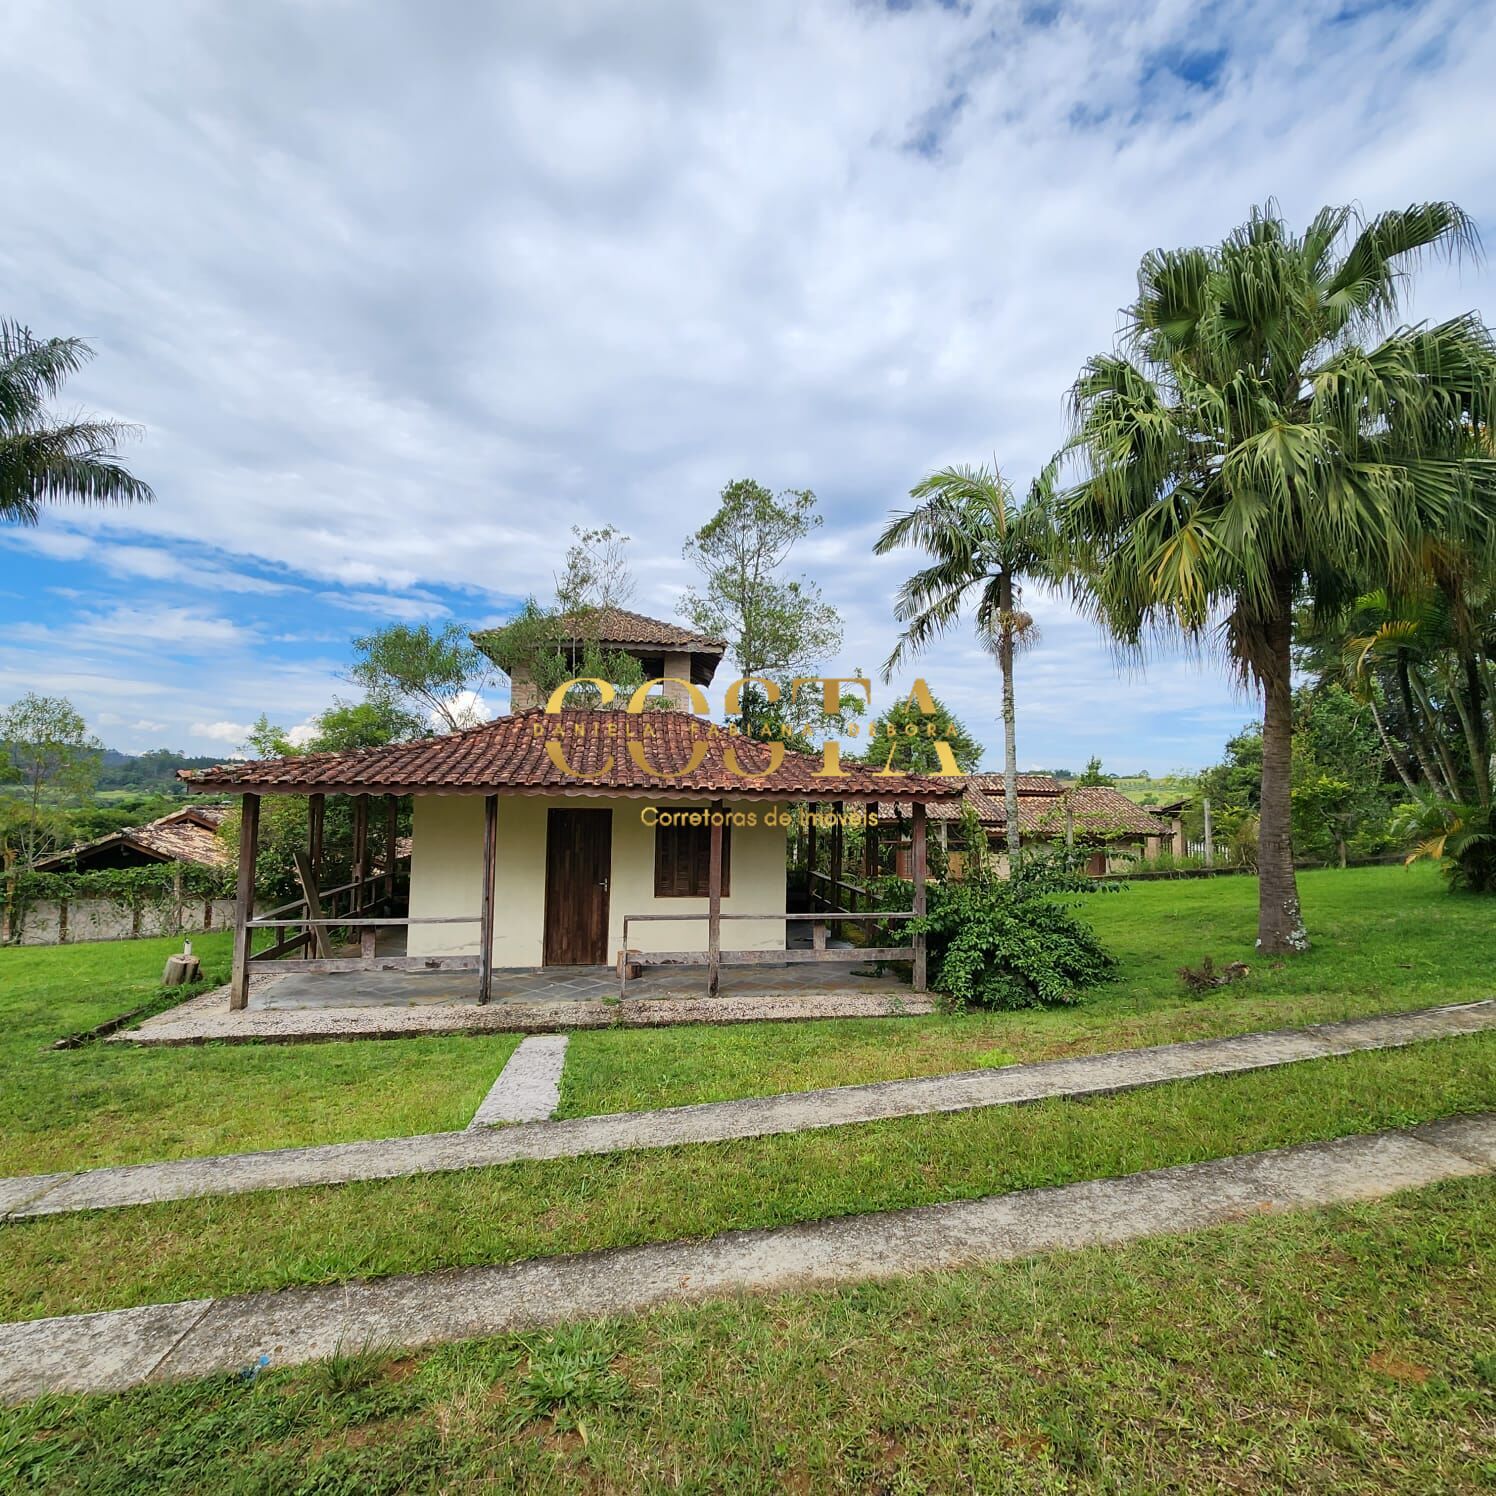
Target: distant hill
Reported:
[(156, 770)]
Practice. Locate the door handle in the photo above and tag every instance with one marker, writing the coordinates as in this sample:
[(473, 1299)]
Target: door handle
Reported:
[(603, 884)]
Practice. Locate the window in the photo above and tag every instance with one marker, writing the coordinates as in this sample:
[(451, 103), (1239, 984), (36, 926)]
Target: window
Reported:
[(683, 858)]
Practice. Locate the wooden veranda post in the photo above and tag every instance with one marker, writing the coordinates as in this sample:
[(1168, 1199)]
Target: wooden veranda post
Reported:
[(918, 857), (391, 839), (485, 906), (244, 901), (360, 850), (838, 861), (316, 815), (714, 902), (316, 819), (810, 852)]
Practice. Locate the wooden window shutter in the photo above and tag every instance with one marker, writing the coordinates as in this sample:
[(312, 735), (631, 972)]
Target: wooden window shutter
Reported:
[(683, 856)]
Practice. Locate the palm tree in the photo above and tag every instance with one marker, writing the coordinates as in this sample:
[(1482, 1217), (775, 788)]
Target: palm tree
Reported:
[(981, 541), (46, 460), (1246, 448)]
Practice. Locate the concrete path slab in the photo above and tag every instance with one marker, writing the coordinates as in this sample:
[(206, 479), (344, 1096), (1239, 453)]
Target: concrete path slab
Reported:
[(720, 1121), (529, 1086), (108, 1351)]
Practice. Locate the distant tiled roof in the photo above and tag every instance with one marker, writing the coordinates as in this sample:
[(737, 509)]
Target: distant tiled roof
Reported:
[(186, 835), (1095, 811), (1028, 784), (619, 626), (1100, 810), (511, 755)]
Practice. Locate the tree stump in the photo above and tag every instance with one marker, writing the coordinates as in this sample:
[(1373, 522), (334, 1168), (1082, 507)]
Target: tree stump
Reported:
[(180, 970)]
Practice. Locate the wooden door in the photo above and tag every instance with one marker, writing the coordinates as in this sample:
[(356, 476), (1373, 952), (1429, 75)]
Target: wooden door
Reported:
[(578, 863)]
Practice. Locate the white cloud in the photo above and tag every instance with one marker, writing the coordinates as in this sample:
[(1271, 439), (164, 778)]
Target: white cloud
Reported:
[(468, 708), (232, 733)]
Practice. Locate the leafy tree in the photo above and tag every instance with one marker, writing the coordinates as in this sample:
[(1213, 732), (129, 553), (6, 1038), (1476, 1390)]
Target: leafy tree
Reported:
[(45, 459), (548, 648), (268, 739), (903, 739), (45, 747), (420, 669), (344, 726), (363, 724), (980, 542), (1248, 447), (596, 572), (777, 627), (1094, 775)]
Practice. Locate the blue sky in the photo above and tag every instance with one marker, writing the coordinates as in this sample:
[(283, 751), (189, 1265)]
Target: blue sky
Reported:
[(399, 294)]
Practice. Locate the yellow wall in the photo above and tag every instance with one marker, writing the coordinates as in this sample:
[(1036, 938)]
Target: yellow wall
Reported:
[(446, 867)]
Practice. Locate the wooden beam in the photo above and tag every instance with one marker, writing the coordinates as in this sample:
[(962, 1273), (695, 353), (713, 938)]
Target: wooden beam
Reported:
[(381, 963), (308, 880), (485, 905), (810, 854), (316, 817), (360, 872), (919, 893), (714, 902), (838, 848), (860, 956), (244, 901), (391, 838)]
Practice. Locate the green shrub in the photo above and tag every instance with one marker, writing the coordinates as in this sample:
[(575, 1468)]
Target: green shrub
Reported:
[(1008, 942), (1461, 838)]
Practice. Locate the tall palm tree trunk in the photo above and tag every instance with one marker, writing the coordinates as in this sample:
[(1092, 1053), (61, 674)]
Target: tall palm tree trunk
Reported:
[(1280, 922), (1010, 730), (1404, 770)]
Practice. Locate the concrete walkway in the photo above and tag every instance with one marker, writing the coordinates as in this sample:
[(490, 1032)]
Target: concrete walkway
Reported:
[(529, 1086), (338, 1163), (164, 1342)]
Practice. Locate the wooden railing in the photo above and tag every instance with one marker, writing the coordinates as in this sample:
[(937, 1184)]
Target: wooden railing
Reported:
[(315, 917), (819, 951)]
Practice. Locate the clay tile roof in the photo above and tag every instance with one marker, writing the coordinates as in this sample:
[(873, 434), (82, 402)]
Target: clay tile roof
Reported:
[(972, 794), (1101, 811), (619, 626), (511, 756), (1028, 784), (186, 835), (1096, 811)]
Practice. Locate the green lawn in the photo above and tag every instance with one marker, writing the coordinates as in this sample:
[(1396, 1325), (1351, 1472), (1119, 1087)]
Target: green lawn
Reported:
[(1385, 938), (110, 1103), (1348, 1350), (184, 1249)]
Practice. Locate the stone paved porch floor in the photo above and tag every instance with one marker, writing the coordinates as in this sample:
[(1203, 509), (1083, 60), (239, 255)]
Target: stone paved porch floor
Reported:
[(323, 990), (394, 1004)]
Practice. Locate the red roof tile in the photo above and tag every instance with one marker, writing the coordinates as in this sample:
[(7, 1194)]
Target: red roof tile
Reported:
[(620, 626), (186, 835), (1098, 810), (1028, 784), (512, 755)]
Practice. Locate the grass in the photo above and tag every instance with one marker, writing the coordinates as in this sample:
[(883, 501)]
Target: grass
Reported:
[(190, 1248), (1386, 938), (111, 1103), (1345, 1350)]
